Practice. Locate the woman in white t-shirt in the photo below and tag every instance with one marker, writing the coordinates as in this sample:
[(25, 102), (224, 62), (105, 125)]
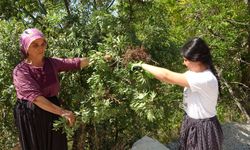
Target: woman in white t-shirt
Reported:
[(200, 129)]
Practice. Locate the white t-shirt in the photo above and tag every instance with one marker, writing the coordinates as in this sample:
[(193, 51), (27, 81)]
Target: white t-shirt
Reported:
[(200, 99)]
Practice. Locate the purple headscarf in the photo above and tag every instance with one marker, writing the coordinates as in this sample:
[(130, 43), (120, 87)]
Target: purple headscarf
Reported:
[(27, 37)]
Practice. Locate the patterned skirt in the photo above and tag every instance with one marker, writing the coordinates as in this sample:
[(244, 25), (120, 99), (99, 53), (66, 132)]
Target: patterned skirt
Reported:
[(201, 134), (35, 127)]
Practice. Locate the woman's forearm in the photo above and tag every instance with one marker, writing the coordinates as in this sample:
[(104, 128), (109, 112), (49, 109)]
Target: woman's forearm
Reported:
[(166, 75), (158, 72), (46, 105)]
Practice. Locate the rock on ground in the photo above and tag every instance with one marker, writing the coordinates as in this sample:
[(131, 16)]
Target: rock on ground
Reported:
[(236, 136), (147, 143)]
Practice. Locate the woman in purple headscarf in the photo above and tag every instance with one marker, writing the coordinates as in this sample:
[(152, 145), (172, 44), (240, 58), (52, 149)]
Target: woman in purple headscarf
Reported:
[(37, 86)]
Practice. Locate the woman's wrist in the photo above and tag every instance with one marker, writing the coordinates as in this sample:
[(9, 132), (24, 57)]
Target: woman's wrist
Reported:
[(142, 65), (62, 112)]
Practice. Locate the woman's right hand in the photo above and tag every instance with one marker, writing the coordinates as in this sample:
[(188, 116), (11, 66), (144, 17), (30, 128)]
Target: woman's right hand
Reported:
[(84, 62), (69, 115), (137, 66)]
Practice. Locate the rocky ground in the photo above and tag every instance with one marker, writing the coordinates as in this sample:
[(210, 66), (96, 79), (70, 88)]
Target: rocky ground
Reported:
[(236, 137)]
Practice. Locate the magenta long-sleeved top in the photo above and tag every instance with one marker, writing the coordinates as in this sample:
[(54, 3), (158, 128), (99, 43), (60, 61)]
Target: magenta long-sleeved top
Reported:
[(31, 82)]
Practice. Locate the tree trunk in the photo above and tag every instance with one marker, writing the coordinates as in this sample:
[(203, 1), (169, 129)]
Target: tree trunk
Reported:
[(79, 138)]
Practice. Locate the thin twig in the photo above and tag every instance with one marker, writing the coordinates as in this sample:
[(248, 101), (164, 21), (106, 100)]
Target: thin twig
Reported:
[(241, 84), (240, 60), (234, 22)]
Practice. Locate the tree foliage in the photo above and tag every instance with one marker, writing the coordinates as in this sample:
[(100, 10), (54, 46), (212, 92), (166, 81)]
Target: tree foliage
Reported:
[(114, 105)]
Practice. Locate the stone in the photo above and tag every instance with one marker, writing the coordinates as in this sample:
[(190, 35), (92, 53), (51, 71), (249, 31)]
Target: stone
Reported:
[(147, 143)]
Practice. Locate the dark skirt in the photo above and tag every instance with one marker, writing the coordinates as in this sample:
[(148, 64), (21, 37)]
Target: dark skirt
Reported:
[(35, 127), (201, 134)]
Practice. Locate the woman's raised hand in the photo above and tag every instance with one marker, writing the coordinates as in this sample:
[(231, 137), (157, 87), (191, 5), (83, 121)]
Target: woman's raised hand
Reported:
[(136, 66)]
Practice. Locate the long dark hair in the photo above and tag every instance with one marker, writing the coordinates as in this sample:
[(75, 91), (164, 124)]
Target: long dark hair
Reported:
[(197, 49)]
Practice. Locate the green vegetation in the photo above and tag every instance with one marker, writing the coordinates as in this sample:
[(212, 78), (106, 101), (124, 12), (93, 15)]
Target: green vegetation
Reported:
[(115, 106)]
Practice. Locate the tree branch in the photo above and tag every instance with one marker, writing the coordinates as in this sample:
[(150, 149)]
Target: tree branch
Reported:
[(242, 84), (29, 14), (41, 6), (242, 61), (234, 22), (216, 34), (110, 4), (236, 99), (66, 4)]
